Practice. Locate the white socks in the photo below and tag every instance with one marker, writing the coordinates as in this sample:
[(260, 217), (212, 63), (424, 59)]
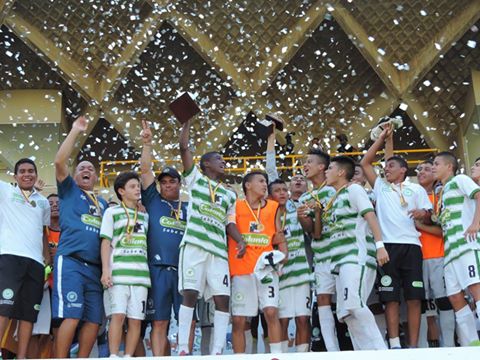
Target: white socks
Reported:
[(302, 348), (284, 346), (185, 316), (327, 327), (364, 330), (248, 341), (394, 343), (220, 324), (446, 319), (466, 328), (276, 348)]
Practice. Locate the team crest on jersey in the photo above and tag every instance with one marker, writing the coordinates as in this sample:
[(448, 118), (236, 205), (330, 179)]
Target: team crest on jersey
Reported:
[(139, 228), (287, 231), (93, 210), (218, 199)]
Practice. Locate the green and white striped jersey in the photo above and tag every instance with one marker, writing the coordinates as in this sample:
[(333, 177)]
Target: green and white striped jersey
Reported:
[(350, 236), (207, 219), (129, 262), (296, 271), (458, 209), (320, 246)]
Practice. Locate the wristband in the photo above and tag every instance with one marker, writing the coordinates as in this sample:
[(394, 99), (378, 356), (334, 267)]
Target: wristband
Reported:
[(379, 244)]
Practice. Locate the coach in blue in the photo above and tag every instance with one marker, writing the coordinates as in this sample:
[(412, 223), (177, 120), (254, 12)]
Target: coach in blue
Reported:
[(167, 218), (77, 293)]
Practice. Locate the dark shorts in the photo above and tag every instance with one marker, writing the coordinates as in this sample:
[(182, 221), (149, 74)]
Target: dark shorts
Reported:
[(21, 287), (163, 296), (403, 271), (77, 291)]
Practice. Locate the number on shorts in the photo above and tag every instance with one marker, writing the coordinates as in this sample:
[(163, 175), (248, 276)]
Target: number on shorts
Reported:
[(431, 305), (471, 271), (309, 302), (143, 307), (225, 280), (345, 294), (271, 292)]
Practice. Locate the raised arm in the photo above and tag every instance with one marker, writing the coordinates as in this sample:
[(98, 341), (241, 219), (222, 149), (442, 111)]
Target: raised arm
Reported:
[(370, 156), (65, 151), (389, 144), (185, 153), (271, 166), (147, 175)]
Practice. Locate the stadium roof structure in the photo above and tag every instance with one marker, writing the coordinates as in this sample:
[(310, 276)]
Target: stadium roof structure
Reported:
[(330, 67)]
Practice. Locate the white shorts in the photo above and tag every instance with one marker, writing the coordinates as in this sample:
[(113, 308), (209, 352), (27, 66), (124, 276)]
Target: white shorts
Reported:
[(433, 279), (130, 300), (462, 272), (249, 294), (295, 301), (203, 272), (354, 284), (44, 318), (324, 279)]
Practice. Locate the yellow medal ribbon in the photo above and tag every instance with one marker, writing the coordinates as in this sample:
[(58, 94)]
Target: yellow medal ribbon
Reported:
[(176, 212), (437, 205), (260, 226), (315, 196), (284, 220), (332, 200), (93, 199), (130, 228), (213, 191), (403, 202), (26, 196)]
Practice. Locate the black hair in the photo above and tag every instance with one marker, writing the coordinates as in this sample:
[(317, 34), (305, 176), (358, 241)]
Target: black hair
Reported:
[(247, 178), (275, 182), (207, 157), (122, 180), (477, 159), (428, 161), (24, 161), (324, 157), (449, 157), (52, 195), (347, 164)]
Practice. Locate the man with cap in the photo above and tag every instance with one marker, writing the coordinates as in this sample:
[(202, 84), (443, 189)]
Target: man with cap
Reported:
[(167, 216)]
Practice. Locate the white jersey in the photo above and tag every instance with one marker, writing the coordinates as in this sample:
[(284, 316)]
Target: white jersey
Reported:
[(458, 209), (22, 222), (396, 225), (351, 240), (207, 218), (296, 271)]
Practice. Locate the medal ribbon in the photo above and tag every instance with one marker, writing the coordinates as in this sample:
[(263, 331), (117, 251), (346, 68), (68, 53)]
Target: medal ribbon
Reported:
[(332, 200), (437, 203), (175, 212), (403, 202), (27, 197), (256, 217), (284, 220), (315, 196), (129, 227), (93, 199), (213, 191)]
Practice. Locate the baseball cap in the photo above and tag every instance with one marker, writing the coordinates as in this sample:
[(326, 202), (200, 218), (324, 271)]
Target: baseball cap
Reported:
[(169, 171)]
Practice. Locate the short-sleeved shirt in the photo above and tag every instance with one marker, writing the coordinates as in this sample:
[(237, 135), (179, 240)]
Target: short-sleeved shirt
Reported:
[(165, 232), (457, 212), (320, 247), (80, 222), (128, 261), (349, 231), (21, 223), (296, 270), (432, 245), (396, 225), (207, 219)]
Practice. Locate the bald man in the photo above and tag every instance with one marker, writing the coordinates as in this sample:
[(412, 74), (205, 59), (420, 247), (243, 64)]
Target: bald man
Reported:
[(77, 293)]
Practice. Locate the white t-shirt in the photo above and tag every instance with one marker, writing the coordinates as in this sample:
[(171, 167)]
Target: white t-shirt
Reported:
[(396, 225), (21, 224)]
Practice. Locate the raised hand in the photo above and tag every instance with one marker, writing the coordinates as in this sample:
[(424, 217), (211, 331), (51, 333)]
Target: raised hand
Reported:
[(81, 124), (39, 185), (146, 133), (387, 131)]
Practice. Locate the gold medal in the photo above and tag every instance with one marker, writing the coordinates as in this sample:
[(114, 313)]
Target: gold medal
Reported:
[(128, 236), (434, 218), (130, 228), (260, 227)]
